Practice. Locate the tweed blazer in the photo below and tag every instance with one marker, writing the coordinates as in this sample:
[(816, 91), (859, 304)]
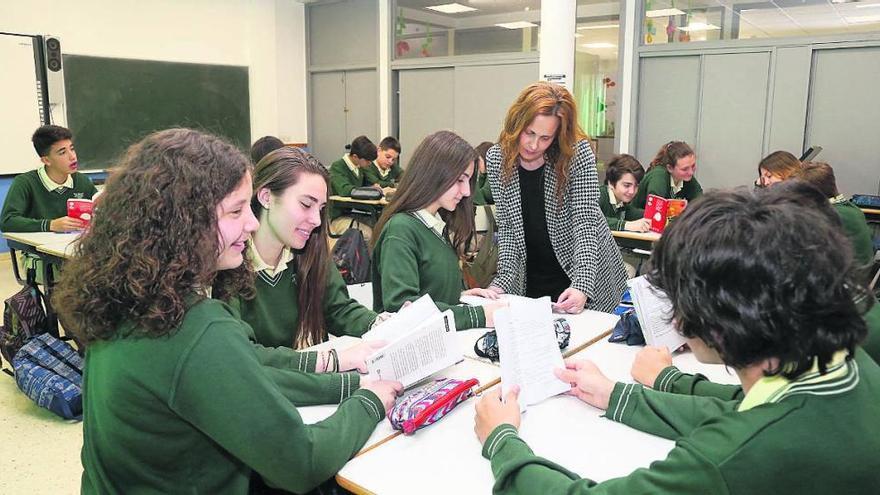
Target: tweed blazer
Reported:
[(578, 231)]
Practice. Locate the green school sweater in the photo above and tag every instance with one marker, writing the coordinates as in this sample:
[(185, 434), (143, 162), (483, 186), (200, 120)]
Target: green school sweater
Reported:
[(274, 312), (483, 193), (857, 230), (373, 176), (29, 207), (342, 181), (656, 182), (411, 260), (617, 216), (673, 380), (808, 440), (196, 412)]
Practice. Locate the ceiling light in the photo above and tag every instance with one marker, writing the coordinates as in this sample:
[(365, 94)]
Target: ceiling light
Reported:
[(578, 35), (598, 26), (862, 19), (663, 12), (867, 5), (599, 45), (517, 25), (699, 26), (451, 8)]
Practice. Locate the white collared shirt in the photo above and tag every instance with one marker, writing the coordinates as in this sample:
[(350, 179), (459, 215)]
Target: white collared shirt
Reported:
[(382, 171), (351, 166), (433, 222), (50, 184), (612, 198), (675, 187), (261, 266)]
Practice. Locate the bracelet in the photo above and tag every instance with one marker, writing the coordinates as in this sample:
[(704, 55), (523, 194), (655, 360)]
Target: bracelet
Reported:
[(324, 362), (335, 357)]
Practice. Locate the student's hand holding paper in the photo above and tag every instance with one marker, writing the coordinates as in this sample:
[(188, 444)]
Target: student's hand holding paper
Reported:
[(386, 390), (66, 224), (640, 225), (587, 382), (355, 357), (492, 412), (490, 309), (571, 301), (649, 362)]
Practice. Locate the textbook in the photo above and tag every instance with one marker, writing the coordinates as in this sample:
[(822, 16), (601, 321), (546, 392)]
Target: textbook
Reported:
[(661, 210), (81, 209), (420, 342), (654, 311)]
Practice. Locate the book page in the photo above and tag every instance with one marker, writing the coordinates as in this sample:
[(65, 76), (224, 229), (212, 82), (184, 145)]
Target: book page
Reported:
[(427, 349), (528, 350), (653, 310), (404, 320)]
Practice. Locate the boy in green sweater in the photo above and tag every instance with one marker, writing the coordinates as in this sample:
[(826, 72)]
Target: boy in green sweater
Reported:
[(347, 173), (384, 173), (37, 200), (670, 175), (622, 176), (806, 423)]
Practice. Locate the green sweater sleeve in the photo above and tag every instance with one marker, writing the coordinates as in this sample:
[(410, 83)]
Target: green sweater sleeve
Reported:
[(659, 413), (240, 408), (342, 180), (672, 380), (344, 315), (311, 389), (518, 470), (656, 183), (18, 200)]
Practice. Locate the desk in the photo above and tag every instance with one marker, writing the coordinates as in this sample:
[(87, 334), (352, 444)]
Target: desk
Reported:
[(562, 428), (871, 214), (367, 209), (635, 240)]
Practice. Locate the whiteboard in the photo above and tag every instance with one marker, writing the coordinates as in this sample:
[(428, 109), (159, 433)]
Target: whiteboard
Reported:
[(20, 104)]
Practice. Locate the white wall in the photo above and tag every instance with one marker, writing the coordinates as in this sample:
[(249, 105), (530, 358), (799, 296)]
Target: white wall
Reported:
[(268, 36)]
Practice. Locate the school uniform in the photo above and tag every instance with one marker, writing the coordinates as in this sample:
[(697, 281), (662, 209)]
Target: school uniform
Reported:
[(196, 411), (412, 258), (617, 213), (34, 200), (814, 435), (344, 176), (274, 312), (375, 174), (483, 192), (856, 228), (658, 182)]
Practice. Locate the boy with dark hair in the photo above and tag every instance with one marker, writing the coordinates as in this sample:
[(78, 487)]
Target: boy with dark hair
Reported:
[(37, 200), (385, 170), (753, 286), (264, 146), (622, 176)]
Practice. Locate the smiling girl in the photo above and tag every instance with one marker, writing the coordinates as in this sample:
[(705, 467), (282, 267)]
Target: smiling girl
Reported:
[(671, 175)]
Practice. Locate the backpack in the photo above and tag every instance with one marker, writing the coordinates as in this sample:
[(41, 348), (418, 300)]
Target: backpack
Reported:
[(49, 371), (351, 257), (24, 316), (482, 269)]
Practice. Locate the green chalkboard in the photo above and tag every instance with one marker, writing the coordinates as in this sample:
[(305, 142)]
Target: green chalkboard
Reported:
[(113, 102)]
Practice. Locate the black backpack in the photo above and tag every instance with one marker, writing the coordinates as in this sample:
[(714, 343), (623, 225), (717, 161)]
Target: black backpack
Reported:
[(352, 258)]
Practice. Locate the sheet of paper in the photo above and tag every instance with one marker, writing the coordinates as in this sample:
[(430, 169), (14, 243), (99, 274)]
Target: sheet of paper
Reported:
[(404, 321), (528, 350), (425, 350), (654, 309)]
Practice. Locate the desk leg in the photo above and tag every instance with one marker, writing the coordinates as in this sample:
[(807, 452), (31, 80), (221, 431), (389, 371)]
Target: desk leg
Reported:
[(49, 283), (15, 272)]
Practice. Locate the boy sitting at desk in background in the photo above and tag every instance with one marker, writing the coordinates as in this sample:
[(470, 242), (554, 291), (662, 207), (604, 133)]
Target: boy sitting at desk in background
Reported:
[(346, 174), (384, 173), (622, 176), (37, 200)]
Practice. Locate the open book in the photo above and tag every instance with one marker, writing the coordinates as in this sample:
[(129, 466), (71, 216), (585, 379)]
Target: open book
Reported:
[(420, 342), (654, 311), (660, 210)]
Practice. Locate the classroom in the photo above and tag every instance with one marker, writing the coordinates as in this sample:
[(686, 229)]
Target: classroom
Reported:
[(513, 246)]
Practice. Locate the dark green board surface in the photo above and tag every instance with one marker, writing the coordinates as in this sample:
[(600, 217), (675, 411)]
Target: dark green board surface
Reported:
[(113, 102)]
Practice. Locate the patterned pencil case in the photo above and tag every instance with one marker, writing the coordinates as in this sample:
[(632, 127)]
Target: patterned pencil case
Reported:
[(425, 405)]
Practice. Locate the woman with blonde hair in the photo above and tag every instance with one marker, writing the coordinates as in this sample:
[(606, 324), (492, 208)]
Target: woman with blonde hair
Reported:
[(553, 239)]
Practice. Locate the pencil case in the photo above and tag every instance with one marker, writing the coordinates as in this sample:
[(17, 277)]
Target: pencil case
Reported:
[(425, 405)]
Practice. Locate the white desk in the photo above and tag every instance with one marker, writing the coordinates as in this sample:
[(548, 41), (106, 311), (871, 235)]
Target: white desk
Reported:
[(59, 248), (36, 239), (562, 429)]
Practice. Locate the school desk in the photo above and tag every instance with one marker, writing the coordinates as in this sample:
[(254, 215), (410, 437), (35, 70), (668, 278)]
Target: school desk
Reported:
[(368, 209), (635, 240)]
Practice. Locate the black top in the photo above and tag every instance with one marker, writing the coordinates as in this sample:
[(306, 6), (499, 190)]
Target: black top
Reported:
[(544, 275)]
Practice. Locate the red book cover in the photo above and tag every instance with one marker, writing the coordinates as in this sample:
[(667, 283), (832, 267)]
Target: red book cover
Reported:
[(660, 210), (80, 209)]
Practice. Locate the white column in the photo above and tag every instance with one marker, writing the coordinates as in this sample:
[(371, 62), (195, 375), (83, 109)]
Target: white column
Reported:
[(386, 41), (556, 58), (630, 35)]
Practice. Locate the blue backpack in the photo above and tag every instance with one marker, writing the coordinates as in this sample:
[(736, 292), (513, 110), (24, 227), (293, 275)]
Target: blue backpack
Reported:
[(49, 371)]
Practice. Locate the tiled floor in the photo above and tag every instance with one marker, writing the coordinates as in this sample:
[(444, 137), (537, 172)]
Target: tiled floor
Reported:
[(39, 452)]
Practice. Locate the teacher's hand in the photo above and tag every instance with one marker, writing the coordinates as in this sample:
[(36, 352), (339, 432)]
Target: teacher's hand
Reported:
[(571, 301)]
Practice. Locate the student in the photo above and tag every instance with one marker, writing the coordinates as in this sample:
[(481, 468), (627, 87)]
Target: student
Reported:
[(384, 173), (776, 167), (622, 176), (424, 233), (300, 295), (552, 238), (264, 146), (175, 396), (346, 174), (821, 175), (670, 175), (807, 422), (37, 200), (483, 192)]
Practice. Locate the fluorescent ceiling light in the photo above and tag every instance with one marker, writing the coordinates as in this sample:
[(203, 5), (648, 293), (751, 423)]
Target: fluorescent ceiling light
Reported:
[(578, 35), (863, 19), (451, 8), (699, 26), (663, 12), (867, 5), (599, 45), (598, 26), (517, 25)]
